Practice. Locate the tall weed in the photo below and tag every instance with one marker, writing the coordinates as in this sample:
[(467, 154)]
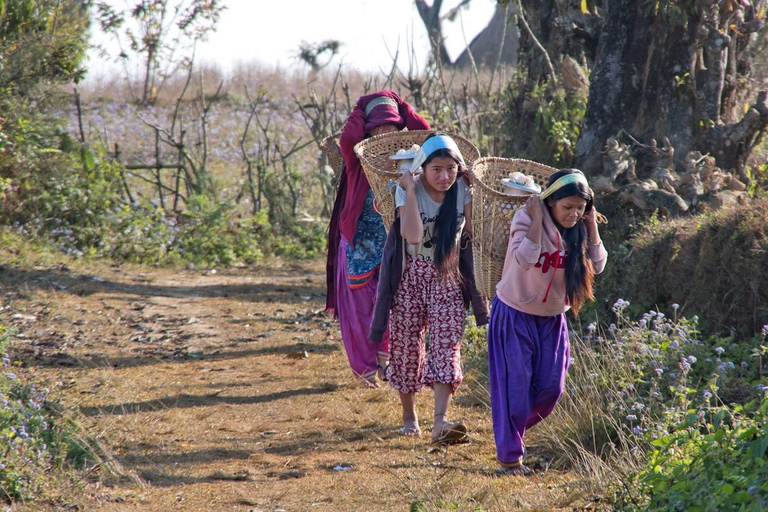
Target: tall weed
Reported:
[(38, 437)]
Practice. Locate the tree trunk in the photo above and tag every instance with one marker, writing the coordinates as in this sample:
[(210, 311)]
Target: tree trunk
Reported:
[(485, 46), (672, 73), (430, 15), (539, 16), (537, 98)]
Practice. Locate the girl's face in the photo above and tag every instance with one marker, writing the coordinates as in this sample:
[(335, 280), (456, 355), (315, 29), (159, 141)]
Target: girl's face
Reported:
[(441, 173), (568, 210)]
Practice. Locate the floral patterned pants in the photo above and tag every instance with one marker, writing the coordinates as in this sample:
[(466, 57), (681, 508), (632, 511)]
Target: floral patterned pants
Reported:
[(423, 300)]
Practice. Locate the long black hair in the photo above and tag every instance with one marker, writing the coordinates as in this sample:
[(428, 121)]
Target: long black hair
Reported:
[(579, 271), (446, 223)]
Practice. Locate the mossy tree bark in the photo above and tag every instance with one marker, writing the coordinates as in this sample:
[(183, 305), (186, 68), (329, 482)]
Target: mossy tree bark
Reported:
[(678, 71)]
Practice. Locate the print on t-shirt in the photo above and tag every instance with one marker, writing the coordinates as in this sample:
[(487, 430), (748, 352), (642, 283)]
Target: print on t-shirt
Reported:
[(429, 209)]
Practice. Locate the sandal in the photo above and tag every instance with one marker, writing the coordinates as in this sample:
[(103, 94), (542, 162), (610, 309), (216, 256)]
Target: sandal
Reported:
[(410, 431), (383, 372), (521, 470), (368, 379), (454, 433)]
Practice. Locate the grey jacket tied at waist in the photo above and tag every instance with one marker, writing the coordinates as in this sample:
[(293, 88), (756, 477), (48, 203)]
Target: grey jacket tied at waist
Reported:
[(392, 272)]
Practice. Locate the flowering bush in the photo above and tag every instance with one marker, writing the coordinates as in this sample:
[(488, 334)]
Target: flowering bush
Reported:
[(647, 401), (29, 437), (37, 437), (707, 450), (25, 436), (711, 458)]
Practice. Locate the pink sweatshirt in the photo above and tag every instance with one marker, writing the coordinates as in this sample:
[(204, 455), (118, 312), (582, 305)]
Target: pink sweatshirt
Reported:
[(529, 268)]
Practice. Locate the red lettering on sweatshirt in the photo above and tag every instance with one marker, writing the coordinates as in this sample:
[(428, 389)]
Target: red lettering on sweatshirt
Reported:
[(550, 260)]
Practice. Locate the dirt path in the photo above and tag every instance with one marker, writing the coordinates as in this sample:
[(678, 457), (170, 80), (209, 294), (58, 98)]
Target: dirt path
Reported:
[(229, 391)]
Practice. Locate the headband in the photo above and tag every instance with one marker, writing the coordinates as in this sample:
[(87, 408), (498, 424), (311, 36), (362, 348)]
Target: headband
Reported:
[(575, 177), (381, 100), (431, 145)]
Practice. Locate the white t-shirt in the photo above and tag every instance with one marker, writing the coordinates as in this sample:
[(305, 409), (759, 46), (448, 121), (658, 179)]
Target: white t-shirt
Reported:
[(429, 208)]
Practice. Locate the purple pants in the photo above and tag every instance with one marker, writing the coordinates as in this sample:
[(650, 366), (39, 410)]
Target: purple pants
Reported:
[(528, 358), (355, 310)]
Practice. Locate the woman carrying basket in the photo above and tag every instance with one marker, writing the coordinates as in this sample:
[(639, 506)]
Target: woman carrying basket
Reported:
[(553, 255), (356, 232), (430, 286)]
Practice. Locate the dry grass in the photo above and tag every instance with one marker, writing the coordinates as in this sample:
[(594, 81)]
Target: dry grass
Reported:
[(281, 84), (584, 432), (190, 380), (712, 264)]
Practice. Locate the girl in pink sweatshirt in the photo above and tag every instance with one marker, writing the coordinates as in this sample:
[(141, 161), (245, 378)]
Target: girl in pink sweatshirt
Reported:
[(553, 255)]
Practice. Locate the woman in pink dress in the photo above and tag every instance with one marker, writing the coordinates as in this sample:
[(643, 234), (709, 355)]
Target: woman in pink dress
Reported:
[(356, 233)]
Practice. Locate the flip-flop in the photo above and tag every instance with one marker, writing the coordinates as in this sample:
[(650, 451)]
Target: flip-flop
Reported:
[(521, 470), (383, 370), (455, 433), (410, 431), (369, 380)]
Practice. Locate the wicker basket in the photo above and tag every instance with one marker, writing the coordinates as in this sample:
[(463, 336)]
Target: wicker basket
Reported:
[(330, 146), (374, 156), (492, 212)]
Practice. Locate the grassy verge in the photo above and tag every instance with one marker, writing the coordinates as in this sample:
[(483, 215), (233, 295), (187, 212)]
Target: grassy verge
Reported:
[(43, 448), (655, 416)]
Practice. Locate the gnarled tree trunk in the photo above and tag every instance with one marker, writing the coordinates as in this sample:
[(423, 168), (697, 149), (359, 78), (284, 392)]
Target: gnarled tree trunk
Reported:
[(430, 15), (674, 70), (498, 36)]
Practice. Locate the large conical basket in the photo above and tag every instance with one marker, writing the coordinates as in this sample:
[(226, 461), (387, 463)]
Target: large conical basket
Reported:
[(492, 212), (381, 172)]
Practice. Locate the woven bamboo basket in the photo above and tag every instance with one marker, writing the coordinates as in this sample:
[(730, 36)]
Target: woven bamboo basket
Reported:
[(330, 146), (381, 172), (492, 213)]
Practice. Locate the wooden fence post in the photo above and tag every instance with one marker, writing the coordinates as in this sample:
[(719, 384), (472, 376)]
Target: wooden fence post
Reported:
[(122, 173), (79, 107), (180, 161), (159, 168)]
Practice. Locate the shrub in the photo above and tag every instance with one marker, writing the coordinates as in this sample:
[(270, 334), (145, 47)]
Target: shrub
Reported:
[(72, 198), (630, 386), (36, 437), (711, 459), (25, 436), (554, 115), (43, 43), (710, 264)]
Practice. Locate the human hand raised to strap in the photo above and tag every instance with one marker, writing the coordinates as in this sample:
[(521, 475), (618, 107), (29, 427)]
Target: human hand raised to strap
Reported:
[(533, 207)]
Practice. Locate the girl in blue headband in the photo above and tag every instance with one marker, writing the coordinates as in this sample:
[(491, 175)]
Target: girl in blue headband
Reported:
[(434, 211)]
